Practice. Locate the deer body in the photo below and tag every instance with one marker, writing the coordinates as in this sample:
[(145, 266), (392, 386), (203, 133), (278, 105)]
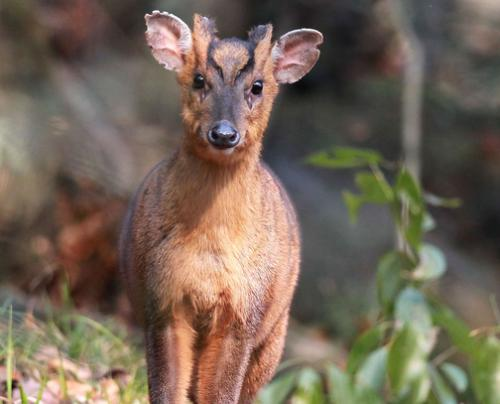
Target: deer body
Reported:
[(210, 247)]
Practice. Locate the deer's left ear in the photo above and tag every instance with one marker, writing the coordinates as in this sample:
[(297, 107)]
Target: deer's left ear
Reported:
[(295, 54)]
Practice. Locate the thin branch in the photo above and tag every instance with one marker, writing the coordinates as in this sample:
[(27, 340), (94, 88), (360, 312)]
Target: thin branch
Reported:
[(413, 79), (444, 356)]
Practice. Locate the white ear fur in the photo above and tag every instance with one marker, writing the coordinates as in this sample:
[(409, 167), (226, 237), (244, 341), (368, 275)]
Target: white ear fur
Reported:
[(169, 39), (295, 54)]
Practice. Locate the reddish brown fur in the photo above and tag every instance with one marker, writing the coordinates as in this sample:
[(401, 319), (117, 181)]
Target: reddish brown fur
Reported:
[(210, 247)]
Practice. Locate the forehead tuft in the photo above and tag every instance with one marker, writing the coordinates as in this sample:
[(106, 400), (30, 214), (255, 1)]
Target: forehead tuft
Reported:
[(231, 55)]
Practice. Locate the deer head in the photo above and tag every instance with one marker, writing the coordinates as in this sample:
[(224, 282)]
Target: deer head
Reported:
[(228, 85)]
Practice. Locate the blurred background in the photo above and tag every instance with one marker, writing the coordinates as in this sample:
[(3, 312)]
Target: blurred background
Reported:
[(85, 112)]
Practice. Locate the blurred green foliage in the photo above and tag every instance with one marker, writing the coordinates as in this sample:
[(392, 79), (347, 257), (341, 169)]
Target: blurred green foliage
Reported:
[(403, 357)]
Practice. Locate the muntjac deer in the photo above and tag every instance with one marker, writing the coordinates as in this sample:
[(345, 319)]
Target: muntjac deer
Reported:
[(210, 248)]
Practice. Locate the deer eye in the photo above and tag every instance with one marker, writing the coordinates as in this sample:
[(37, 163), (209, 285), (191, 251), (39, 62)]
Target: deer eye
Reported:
[(198, 81), (257, 87)]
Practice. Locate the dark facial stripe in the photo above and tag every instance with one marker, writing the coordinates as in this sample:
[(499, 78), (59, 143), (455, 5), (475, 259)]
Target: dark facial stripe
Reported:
[(231, 58), (247, 67)]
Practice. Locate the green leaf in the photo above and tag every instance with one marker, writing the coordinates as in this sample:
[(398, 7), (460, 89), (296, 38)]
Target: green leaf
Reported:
[(441, 390), (365, 395), (372, 371), (419, 389), (373, 189), (432, 264), (458, 331), (407, 187), (438, 201), (406, 360), (428, 223), (363, 346), (456, 376), (358, 154), (412, 308), (414, 229), (389, 280), (309, 388), (485, 371), (341, 389), (353, 203), (344, 157), (278, 390)]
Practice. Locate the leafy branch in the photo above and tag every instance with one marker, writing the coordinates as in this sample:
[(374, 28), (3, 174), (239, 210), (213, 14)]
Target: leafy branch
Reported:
[(399, 360)]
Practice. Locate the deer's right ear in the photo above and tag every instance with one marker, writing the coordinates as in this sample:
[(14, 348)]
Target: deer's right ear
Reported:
[(295, 54), (169, 39)]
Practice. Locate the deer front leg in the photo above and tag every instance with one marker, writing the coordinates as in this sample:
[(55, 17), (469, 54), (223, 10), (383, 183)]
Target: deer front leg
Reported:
[(169, 354), (264, 361), (222, 368)]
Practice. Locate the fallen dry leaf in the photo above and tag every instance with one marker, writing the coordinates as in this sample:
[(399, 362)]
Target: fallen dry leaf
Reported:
[(78, 371), (52, 357), (76, 391), (119, 375), (110, 391), (32, 390), (3, 375)]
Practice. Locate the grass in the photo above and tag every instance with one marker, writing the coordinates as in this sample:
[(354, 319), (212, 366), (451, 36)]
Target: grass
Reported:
[(64, 356), (9, 354)]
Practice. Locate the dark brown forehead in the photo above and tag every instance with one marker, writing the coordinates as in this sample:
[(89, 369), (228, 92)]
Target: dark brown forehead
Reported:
[(230, 56)]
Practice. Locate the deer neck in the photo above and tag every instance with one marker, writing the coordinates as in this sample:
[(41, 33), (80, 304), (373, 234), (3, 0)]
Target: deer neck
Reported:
[(211, 196)]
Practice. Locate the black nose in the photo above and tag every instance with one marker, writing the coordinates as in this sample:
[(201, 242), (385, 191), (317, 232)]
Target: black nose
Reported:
[(223, 135)]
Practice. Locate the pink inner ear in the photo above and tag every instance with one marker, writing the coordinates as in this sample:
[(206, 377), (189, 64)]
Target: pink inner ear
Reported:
[(292, 58), (299, 42), (163, 38), (295, 48), (295, 54), (164, 44), (169, 38)]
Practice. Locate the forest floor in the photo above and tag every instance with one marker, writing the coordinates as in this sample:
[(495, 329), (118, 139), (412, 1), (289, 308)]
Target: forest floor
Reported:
[(62, 356)]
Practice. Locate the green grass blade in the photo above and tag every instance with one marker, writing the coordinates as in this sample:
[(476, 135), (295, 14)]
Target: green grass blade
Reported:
[(9, 358)]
